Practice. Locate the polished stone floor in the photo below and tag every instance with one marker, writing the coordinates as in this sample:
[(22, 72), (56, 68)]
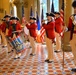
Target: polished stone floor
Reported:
[(35, 65)]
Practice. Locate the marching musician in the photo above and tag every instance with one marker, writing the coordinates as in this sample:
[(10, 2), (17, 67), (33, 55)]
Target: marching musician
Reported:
[(15, 26), (0, 33), (58, 30), (4, 32), (14, 30), (72, 29), (1, 37), (4, 29), (50, 36), (32, 26)]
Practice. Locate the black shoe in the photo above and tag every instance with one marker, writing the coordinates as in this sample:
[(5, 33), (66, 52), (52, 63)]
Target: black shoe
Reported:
[(15, 58), (4, 46), (49, 61), (57, 51), (18, 57), (9, 52), (46, 60), (12, 50), (73, 69), (32, 54)]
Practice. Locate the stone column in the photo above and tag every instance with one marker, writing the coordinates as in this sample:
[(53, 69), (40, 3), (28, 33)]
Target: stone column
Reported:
[(27, 5), (67, 14), (26, 9), (67, 10), (60, 4), (48, 6), (19, 4)]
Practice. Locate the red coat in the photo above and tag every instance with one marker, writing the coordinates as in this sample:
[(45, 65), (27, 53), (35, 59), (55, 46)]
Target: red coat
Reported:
[(50, 30), (18, 27), (0, 27), (58, 25), (32, 29), (70, 28), (4, 26), (70, 24)]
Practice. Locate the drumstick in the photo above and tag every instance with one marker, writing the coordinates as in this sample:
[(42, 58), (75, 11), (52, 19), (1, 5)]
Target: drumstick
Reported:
[(16, 31)]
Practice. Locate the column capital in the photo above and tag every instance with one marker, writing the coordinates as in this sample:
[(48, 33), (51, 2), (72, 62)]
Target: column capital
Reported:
[(18, 2), (25, 2)]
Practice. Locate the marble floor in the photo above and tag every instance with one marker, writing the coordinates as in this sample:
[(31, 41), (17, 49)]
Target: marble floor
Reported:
[(35, 65)]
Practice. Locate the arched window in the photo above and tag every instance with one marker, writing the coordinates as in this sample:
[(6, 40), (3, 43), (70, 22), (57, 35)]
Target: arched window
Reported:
[(44, 5), (56, 5)]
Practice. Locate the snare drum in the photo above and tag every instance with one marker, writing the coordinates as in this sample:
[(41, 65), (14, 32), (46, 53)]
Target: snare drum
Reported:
[(22, 36), (18, 44)]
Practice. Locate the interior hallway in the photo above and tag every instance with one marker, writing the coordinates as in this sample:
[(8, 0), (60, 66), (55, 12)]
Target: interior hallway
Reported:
[(35, 65)]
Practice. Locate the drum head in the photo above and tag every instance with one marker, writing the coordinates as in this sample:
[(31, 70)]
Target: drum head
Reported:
[(26, 31)]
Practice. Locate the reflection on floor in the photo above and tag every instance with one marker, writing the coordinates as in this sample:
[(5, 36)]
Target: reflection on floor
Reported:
[(35, 65)]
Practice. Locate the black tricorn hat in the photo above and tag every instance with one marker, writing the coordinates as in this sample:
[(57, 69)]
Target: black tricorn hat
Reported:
[(74, 4), (14, 18), (57, 13), (33, 18), (7, 16), (2, 19), (50, 14)]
